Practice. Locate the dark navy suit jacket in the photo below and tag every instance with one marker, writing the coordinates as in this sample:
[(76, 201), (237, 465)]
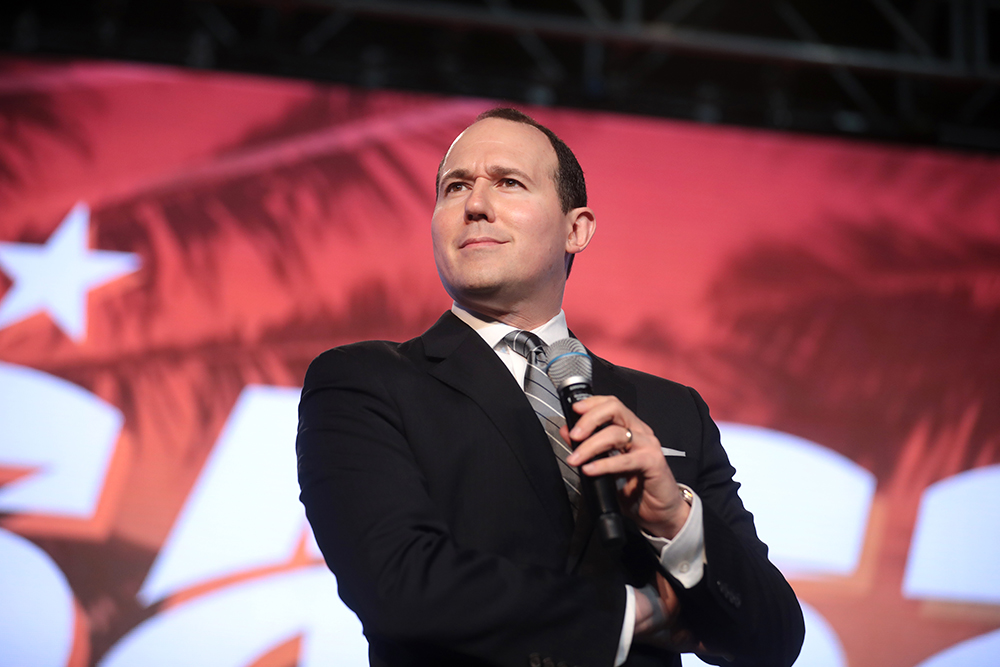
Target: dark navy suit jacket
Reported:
[(434, 496)]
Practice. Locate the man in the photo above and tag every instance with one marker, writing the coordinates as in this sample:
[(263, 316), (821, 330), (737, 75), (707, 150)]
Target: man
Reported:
[(439, 500)]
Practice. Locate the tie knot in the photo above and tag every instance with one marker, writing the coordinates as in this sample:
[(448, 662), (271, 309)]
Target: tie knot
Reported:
[(527, 344)]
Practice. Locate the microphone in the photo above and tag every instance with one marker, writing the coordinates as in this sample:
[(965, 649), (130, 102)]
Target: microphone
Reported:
[(571, 370)]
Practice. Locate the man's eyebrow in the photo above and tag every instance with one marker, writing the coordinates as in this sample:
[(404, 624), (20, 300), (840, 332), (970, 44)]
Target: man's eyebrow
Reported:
[(460, 174), (497, 171), (494, 171)]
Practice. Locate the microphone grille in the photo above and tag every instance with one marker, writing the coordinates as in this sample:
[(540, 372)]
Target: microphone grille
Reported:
[(568, 360)]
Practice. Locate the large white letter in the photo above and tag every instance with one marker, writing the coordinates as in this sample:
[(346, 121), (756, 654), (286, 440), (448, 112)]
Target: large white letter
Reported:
[(65, 432), (37, 609), (235, 626), (243, 512), (955, 552), (788, 485)]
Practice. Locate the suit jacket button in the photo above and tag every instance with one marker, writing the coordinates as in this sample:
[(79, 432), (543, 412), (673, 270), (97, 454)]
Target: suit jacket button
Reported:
[(731, 596)]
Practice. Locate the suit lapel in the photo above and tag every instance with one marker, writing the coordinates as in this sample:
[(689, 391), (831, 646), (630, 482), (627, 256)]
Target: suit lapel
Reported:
[(609, 383), (463, 361)]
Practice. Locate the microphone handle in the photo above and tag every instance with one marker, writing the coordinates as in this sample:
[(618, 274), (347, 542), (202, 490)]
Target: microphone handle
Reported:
[(609, 518)]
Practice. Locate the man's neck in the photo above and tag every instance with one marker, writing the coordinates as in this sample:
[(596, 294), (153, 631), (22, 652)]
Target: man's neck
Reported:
[(526, 319)]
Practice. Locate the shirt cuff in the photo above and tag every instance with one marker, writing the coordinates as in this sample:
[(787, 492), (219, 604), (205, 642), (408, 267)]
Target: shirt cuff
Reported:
[(628, 627), (684, 556)]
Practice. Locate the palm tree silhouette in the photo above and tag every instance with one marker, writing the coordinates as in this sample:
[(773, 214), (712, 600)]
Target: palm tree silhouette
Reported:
[(253, 225), (880, 342)]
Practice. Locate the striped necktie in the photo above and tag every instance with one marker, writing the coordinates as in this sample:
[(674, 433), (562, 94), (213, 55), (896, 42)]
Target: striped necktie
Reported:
[(545, 401)]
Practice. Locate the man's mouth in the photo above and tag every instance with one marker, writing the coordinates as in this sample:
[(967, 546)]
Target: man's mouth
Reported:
[(480, 241)]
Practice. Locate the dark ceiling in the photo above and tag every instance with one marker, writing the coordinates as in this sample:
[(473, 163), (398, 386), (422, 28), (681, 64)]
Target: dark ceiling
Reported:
[(923, 72)]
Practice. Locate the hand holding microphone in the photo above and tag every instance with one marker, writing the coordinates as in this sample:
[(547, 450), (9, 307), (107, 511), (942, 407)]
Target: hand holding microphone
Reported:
[(599, 424)]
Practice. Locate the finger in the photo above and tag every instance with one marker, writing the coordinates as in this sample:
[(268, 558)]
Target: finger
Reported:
[(630, 487), (605, 440), (671, 602), (632, 463), (611, 465), (596, 411)]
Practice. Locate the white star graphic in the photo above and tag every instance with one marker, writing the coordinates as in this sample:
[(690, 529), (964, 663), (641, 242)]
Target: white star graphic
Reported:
[(57, 276)]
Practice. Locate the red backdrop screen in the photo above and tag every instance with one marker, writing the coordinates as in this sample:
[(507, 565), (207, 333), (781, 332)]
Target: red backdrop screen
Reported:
[(175, 247)]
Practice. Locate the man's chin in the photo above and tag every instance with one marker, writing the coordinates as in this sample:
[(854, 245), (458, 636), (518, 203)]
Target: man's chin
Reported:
[(479, 285), (482, 290), (484, 298)]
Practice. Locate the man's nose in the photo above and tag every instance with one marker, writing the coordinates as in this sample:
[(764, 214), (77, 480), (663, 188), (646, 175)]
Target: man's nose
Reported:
[(478, 205)]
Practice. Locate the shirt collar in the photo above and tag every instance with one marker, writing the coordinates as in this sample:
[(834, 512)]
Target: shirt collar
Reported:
[(493, 331)]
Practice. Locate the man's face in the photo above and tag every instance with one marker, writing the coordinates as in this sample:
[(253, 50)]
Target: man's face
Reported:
[(500, 235)]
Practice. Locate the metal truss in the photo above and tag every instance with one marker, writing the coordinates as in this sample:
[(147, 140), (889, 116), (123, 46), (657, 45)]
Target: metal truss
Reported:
[(920, 71), (914, 57)]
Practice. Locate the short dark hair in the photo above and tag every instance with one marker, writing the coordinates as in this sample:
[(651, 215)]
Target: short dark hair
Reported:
[(568, 177)]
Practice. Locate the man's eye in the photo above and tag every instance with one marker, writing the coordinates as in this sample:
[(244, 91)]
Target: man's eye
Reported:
[(453, 186), (511, 183)]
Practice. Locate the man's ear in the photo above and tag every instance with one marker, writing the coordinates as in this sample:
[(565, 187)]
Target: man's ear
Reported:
[(582, 226)]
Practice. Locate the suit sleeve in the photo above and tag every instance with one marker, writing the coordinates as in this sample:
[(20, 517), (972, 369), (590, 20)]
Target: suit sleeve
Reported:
[(398, 567), (743, 605)]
